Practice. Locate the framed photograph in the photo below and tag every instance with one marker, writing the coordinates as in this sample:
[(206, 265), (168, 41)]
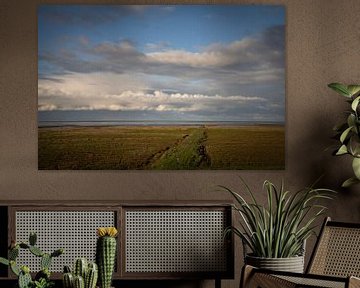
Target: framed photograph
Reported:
[(161, 87)]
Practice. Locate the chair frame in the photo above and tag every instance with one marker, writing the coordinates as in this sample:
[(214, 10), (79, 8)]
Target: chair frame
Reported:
[(256, 277)]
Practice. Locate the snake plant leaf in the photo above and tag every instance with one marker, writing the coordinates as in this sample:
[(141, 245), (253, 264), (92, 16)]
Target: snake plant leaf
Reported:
[(349, 182), (345, 134), (355, 103), (353, 89), (356, 167), (340, 88), (342, 150)]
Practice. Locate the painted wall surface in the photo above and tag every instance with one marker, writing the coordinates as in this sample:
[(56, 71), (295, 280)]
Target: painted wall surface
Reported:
[(323, 40)]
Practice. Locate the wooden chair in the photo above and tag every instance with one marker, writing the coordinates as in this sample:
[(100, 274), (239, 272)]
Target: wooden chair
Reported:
[(335, 262)]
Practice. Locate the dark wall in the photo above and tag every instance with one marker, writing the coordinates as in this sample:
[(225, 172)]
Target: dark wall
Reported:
[(323, 40)]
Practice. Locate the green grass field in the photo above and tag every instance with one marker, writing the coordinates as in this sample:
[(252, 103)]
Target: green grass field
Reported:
[(162, 147)]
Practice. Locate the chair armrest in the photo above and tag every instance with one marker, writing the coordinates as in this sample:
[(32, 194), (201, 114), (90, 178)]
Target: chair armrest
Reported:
[(252, 277), (354, 282), (255, 277)]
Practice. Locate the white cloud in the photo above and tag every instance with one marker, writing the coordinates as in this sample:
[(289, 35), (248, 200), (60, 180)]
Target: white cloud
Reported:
[(73, 92), (215, 55)]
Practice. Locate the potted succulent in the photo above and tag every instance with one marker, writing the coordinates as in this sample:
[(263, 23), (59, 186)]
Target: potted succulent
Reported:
[(348, 132), (276, 233), (42, 278)]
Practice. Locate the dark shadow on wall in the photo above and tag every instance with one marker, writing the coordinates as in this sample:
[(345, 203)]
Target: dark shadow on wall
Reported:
[(317, 153)]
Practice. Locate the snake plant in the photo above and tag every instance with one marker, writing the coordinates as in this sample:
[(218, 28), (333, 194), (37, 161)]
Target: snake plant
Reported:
[(279, 228)]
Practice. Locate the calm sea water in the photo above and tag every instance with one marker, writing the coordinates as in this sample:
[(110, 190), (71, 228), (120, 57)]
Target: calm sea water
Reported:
[(144, 123), (111, 118)]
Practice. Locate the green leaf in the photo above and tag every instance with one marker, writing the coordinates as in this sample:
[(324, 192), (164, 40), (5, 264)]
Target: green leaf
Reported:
[(14, 268), (279, 228), (4, 261), (351, 120), (342, 150), (353, 89), (355, 103), (349, 182), (354, 144), (340, 88), (356, 167), (345, 134)]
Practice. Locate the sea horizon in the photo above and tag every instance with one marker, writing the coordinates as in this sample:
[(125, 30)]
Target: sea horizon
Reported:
[(81, 123)]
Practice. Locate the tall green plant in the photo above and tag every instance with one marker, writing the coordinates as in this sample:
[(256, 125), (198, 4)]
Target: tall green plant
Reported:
[(279, 229), (349, 131)]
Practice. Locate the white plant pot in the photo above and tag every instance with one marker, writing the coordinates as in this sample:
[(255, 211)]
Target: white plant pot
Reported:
[(291, 264)]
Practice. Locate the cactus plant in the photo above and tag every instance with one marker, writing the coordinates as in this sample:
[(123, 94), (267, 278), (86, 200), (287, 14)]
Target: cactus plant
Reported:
[(91, 276), (106, 254), (68, 280), (24, 277), (84, 274), (42, 278), (80, 268), (45, 261), (79, 282)]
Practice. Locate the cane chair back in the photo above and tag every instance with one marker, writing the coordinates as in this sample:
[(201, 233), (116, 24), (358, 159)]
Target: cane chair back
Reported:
[(335, 262), (337, 252)]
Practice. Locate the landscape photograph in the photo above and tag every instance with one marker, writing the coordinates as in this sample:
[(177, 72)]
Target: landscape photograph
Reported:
[(161, 87)]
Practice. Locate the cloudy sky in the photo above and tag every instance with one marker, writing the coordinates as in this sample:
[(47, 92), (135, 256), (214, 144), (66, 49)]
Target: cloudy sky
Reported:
[(183, 62)]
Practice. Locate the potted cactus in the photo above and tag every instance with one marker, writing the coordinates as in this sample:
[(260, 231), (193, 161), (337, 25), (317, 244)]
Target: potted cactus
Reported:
[(106, 254), (84, 275), (42, 278)]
